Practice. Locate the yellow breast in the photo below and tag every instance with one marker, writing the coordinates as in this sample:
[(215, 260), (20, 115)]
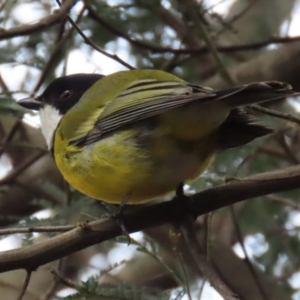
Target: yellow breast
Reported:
[(108, 170), (121, 165)]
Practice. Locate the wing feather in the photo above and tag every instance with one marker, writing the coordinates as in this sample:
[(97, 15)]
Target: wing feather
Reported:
[(141, 100)]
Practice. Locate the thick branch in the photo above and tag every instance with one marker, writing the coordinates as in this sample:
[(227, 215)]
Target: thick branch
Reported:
[(282, 64), (42, 24), (199, 50), (141, 217)]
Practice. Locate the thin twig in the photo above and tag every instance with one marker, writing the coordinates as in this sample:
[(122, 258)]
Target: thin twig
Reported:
[(247, 259), (201, 50), (242, 12), (210, 45), (55, 52), (22, 167), (55, 283), (60, 228), (15, 287), (171, 272), (94, 16), (207, 222), (275, 113), (290, 153), (64, 281), (25, 285), (3, 85), (283, 201), (174, 236), (92, 44), (206, 269), (39, 26), (201, 289), (10, 134), (237, 16)]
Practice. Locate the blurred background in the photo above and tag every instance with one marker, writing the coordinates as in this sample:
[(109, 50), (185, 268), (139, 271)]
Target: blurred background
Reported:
[(223, 43)]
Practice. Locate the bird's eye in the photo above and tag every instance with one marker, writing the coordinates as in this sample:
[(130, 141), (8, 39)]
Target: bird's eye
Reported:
[(66, 94)]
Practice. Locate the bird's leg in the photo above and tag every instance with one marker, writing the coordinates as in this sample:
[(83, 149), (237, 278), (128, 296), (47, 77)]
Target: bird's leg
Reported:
[(180, 198), (118, 216), (183, 200), (180, 192), (119, 210)]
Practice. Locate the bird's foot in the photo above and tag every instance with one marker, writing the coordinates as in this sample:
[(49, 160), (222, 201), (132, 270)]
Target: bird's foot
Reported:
[(184, 201), (117, 215), (180, 195)]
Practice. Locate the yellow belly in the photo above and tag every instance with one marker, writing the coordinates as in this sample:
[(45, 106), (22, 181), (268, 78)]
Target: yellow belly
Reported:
[(116, 166)]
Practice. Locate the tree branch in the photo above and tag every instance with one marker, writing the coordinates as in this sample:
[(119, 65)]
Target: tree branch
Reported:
[(93, 45), (39, 26), (205, 267), (247, 260), (25, 285), (17, 170), (144, 216), (62, 228), (281, 64), (275, 113), (199, 50)]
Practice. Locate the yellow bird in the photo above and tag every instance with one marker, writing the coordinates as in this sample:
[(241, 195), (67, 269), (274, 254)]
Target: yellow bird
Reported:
[(139, 134)]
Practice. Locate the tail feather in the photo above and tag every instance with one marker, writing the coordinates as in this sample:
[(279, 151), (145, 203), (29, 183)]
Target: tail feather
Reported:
[(255, 93), (240, 128)]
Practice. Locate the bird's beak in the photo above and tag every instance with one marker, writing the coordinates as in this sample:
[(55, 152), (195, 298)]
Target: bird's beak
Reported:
[(31, 103)]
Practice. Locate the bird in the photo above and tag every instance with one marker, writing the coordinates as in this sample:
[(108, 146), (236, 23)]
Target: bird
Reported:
[(140, 134)]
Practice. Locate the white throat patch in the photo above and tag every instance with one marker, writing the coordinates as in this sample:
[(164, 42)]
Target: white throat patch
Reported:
[(50, 118)]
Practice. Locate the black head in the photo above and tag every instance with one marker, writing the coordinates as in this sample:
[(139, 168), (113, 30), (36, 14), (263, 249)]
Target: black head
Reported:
[(62, 93)]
